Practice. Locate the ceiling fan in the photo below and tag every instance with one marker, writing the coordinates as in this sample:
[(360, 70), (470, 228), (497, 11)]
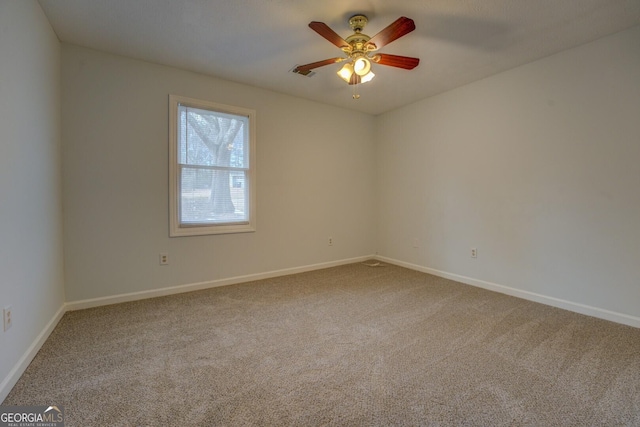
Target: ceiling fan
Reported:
[(361, 49)]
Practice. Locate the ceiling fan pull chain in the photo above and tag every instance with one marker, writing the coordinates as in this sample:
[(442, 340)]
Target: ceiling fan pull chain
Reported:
[(356, 95), (356, 81)]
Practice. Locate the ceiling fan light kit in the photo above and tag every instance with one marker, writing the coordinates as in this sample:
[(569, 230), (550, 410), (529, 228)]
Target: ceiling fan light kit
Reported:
[(361, 66), (346, 72), (359, 49)]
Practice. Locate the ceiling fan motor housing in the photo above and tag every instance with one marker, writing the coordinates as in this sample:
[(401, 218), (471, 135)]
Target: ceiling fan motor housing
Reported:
[(358, 40)]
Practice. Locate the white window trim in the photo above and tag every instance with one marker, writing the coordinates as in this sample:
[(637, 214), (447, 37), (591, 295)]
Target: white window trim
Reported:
[(175, 228)]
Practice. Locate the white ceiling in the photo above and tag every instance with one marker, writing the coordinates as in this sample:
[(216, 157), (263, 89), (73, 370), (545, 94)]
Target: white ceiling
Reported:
[(258, 42)]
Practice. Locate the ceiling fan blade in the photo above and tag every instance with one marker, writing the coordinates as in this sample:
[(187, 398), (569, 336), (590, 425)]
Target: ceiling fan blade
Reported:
[(394, 31), (313, 65), (398, 61), (326, 32)]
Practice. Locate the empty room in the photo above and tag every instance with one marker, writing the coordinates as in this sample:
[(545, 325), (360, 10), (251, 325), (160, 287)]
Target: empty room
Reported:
[(320, 213)]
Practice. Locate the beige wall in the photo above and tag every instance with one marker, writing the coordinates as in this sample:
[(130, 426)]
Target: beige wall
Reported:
[(31, 275), (537, 167), (315, 178)]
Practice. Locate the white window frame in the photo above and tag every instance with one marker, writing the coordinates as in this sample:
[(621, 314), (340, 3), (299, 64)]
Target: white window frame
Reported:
[(176, 228)]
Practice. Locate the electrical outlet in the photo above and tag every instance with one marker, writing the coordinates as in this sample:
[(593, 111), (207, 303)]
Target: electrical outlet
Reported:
[(474, 253), (330, 241), (6, 314), (164, 259)]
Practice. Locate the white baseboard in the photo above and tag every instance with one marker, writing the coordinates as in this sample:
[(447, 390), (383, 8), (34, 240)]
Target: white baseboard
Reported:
[(14, 375), (134, 296), (600, 313)]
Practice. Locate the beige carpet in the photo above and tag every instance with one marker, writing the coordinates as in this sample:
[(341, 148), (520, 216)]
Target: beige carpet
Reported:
[(351, 345)]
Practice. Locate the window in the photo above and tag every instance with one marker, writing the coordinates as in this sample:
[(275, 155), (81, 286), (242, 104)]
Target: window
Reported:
[(211, 168)]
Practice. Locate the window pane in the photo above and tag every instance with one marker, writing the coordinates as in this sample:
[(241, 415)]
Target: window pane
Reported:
[(212, 160), (212, 196), (211, 138)]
